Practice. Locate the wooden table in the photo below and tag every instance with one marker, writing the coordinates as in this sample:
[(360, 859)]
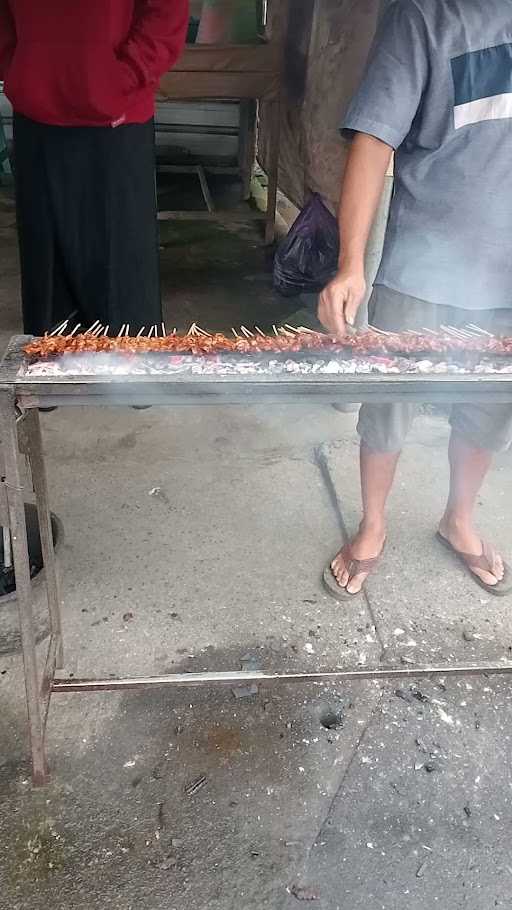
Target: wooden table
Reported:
[(247, 73)]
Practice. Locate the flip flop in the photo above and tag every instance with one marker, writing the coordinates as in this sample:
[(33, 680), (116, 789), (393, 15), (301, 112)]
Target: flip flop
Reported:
[(485, 561), (354, 567)]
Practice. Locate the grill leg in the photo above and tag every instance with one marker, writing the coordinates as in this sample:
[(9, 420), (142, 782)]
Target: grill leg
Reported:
[(16, 506), (38, 470)]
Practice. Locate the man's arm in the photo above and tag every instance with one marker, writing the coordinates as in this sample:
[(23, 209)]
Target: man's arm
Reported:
[(7, 37), (363, 184), (155, 42)]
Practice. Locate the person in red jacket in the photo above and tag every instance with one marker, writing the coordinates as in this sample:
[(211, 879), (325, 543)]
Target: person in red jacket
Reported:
[(81, 78)]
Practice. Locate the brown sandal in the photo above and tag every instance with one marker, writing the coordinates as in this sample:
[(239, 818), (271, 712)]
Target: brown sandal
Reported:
[(486, 561), (354, 567)]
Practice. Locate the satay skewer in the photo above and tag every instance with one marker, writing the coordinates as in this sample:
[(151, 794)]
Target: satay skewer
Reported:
[(75, 330)]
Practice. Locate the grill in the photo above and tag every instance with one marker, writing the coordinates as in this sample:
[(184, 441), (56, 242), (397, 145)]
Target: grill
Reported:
[(21, 394)]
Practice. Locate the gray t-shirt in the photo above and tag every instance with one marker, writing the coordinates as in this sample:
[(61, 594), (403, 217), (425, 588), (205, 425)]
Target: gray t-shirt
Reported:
[(438, 89)]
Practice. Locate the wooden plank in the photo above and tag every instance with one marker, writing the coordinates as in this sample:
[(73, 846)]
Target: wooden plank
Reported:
[(225, 217), (239, 58), (178, 86)]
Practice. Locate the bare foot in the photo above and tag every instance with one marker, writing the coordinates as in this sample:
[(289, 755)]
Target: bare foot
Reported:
[(464, 538), (367, 544)]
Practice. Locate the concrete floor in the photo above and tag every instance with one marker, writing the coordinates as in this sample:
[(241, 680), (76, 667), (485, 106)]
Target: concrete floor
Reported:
[(196, 539)]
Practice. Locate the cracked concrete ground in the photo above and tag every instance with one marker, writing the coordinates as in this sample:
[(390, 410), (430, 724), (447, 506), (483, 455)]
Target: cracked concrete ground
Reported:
[(196, 539)]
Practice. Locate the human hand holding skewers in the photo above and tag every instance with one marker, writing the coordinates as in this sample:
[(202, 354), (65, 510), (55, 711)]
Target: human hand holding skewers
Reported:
[(340, 301)]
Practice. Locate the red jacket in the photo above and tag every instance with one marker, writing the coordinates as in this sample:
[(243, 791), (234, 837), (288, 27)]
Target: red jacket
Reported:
[(88, 62)]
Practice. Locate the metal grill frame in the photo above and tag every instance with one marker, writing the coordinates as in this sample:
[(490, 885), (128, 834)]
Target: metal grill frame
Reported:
[(20, 398)]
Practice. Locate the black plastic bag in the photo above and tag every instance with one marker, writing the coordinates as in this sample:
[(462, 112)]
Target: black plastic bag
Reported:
[(307, 258)]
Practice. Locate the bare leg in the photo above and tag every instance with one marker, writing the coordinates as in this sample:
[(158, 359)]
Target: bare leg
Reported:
[(377, 475), (468, 469)]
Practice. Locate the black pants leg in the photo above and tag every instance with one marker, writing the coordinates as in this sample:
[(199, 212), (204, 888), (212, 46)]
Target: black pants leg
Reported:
[(87, 224)]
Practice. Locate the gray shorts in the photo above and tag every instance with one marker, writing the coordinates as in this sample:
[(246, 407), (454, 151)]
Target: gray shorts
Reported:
[(384, 427)]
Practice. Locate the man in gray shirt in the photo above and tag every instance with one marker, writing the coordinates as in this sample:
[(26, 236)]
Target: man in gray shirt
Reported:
[(438, 92)]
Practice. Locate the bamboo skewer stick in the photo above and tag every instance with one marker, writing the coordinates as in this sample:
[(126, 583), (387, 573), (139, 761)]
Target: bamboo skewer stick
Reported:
[(60, 328), (74, 330), (105, 333), (92, 327), (306, 331), (246, 332), (260, 332), (480, 330), (235, 333), (164, 330), (373, 328), (121, 331)]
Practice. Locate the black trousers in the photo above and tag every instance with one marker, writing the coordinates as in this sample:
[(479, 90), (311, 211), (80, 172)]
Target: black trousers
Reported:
[(87, 227)]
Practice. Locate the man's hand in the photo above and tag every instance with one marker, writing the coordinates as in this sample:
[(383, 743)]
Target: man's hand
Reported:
[(340, 301)]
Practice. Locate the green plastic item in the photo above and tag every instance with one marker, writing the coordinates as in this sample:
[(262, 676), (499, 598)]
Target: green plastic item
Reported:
[(245, 22)]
